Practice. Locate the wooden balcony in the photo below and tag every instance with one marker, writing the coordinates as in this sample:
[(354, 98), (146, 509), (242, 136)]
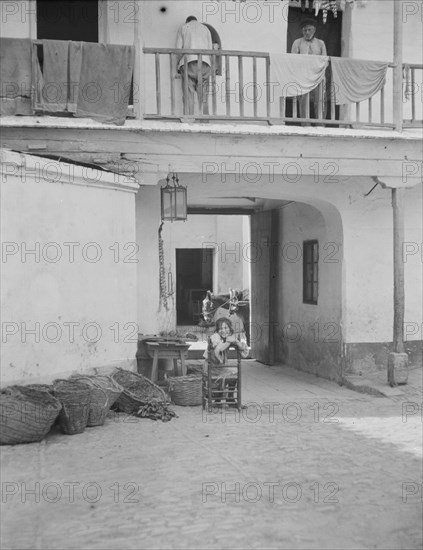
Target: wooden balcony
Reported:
[(240, 89), (242, 92)]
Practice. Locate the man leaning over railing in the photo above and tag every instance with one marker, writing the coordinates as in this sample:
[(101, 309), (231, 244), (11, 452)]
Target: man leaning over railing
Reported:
[(194, 36)]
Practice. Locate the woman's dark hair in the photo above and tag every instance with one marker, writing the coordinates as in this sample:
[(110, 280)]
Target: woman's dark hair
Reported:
[(220, 322)]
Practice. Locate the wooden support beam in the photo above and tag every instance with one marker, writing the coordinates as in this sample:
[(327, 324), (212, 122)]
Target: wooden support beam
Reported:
[(139, 68), (399, 294), (398, 55), (274, 282)]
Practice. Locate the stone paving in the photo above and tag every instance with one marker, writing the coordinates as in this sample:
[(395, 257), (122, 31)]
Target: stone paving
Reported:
[(308, 465)]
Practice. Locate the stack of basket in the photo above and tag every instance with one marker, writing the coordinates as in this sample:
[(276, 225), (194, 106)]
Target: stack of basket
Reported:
[(26, 414), (75, 399), (104, 392)]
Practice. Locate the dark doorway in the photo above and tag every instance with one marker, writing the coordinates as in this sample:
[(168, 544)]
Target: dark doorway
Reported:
[(194, 276), (331, 34), (67, 20)]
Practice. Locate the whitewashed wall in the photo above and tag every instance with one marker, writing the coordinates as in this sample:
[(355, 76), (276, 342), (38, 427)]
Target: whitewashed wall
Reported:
[(70, 304), (310, 336), (372, 31), (368, 247)]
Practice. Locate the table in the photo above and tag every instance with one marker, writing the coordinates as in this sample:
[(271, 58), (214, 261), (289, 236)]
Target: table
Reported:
[(168, 350)]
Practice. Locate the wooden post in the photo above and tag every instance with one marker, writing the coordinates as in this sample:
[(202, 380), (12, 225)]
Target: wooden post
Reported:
[(139, 90), (399, 296), (397, 83), (273, 284)]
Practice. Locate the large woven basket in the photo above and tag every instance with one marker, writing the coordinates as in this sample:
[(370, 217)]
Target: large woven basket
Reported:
[(104, 392), (186, 390), (41, 387), (75, 399), (110, 386), (137, 391), (26, 414)]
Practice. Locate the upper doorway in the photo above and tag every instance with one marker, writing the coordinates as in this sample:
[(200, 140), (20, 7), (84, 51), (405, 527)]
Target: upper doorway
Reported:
[(331, 34), (75, 20)]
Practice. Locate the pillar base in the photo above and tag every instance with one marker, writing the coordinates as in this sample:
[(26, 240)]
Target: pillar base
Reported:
[(397, 369)]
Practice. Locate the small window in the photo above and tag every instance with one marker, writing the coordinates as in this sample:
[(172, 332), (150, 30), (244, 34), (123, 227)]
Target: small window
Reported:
[(310, 272)]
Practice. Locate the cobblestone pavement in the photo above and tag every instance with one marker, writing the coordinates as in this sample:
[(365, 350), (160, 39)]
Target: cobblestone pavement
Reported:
[(319, 466)]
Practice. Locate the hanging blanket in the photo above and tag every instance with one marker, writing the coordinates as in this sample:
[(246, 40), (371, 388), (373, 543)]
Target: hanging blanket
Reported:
[(296, 74), (51, 86), (356, 80), (75, 60), (86, 79), (15, 76), (105, 82)]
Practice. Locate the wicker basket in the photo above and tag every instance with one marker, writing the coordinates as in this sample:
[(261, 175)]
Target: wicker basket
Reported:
[(137, 391), (104, 392), (110, 386), (75, 398), (187, 390), (41, 387), (26, 414)]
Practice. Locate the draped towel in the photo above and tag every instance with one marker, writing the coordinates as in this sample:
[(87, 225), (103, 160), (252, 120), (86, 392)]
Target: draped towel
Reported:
[(75, 60), (356, 80), (15, 76), (57, 82), (51, 89), (296, 74), (105, 82), (87, 79)]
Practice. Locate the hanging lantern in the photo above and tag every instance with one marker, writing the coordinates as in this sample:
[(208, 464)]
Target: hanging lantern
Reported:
[(174, 200)]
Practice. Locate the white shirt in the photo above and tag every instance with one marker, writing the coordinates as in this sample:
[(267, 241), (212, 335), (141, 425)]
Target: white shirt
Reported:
[(194, 36), (309, 47)]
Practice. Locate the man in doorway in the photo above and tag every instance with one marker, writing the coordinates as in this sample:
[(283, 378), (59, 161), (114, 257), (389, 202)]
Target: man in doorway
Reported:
[(310, 45), (194, 36)]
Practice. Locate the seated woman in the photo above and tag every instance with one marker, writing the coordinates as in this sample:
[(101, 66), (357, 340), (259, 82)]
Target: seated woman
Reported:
[(220, 342)]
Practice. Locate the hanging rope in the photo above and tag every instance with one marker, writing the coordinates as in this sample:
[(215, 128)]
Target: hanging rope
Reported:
[(162, 271)]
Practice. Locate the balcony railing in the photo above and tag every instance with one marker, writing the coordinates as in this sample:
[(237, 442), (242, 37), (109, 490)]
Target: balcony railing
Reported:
[(413, 98), (239, 89), (243, 92)]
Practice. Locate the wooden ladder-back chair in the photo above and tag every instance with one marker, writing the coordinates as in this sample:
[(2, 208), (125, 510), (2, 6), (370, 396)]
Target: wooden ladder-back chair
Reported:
[(222, 383)]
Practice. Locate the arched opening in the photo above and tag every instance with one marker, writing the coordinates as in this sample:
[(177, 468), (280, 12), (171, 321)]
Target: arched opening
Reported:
[(285, 326)]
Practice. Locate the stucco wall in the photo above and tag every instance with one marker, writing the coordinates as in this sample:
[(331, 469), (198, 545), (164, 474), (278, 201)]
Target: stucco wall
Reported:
[(151, 318), (71, 305), (368, 243), (372, 31), (310, 336), (17, 19), (413, 264)]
